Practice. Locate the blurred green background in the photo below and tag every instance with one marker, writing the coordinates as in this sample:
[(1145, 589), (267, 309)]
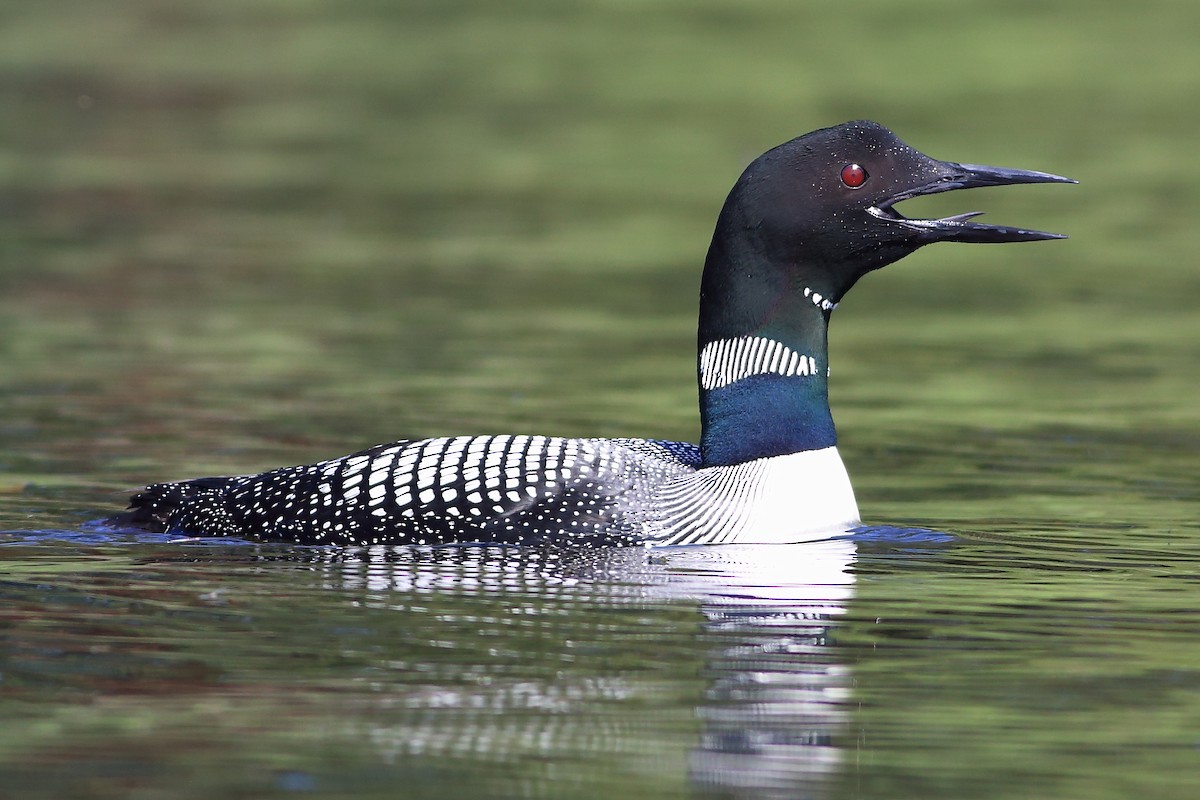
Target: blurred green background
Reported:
[(238, 234)]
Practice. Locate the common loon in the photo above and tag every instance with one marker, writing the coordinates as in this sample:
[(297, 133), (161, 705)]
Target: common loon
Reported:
[(802, 224)]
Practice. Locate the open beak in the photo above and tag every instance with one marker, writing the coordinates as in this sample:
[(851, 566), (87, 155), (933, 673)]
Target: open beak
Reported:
[(960, 228)]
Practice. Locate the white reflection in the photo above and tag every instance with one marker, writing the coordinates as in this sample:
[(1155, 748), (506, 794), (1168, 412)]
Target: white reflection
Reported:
[(776, 703), (775, 706)]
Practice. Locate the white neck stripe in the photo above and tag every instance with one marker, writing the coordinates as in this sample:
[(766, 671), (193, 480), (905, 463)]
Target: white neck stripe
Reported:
[(728, 360)]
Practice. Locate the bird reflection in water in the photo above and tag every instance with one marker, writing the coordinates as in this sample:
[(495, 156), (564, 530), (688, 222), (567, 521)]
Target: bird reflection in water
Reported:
[(772, 703)]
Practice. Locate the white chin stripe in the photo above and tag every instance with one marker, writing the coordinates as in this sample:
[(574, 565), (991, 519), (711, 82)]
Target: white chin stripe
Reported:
[(823, 303), (728, 360)]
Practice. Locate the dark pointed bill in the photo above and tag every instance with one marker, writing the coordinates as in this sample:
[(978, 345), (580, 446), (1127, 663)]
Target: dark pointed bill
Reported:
[(959, 227)]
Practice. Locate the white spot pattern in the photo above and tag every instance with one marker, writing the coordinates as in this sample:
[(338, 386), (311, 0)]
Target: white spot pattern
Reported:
[(599, 490), (726, 361), (503, 489)]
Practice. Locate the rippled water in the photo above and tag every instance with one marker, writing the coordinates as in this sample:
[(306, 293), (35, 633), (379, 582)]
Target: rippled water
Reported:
[(900, 663)]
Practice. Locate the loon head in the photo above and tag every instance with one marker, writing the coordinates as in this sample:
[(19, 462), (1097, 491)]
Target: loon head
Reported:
[(823, 204), (803, 223)]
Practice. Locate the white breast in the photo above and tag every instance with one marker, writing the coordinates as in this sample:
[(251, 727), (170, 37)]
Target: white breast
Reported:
[(793, 498)]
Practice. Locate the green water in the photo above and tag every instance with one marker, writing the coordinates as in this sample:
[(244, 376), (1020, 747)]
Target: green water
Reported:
[(240, 235)]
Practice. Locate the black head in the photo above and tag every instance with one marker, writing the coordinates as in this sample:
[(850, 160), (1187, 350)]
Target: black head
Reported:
[(824, 203)]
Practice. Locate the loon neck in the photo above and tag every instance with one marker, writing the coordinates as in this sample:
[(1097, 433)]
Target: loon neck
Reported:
[(763, 361)]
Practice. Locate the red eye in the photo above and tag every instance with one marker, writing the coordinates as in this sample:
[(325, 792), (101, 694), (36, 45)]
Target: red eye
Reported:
[(854, 176)]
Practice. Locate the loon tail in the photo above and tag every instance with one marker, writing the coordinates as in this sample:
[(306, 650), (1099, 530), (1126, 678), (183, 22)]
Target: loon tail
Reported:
[(156, 508)]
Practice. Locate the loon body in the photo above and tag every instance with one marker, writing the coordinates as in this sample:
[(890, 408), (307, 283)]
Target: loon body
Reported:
[(804, 222)]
